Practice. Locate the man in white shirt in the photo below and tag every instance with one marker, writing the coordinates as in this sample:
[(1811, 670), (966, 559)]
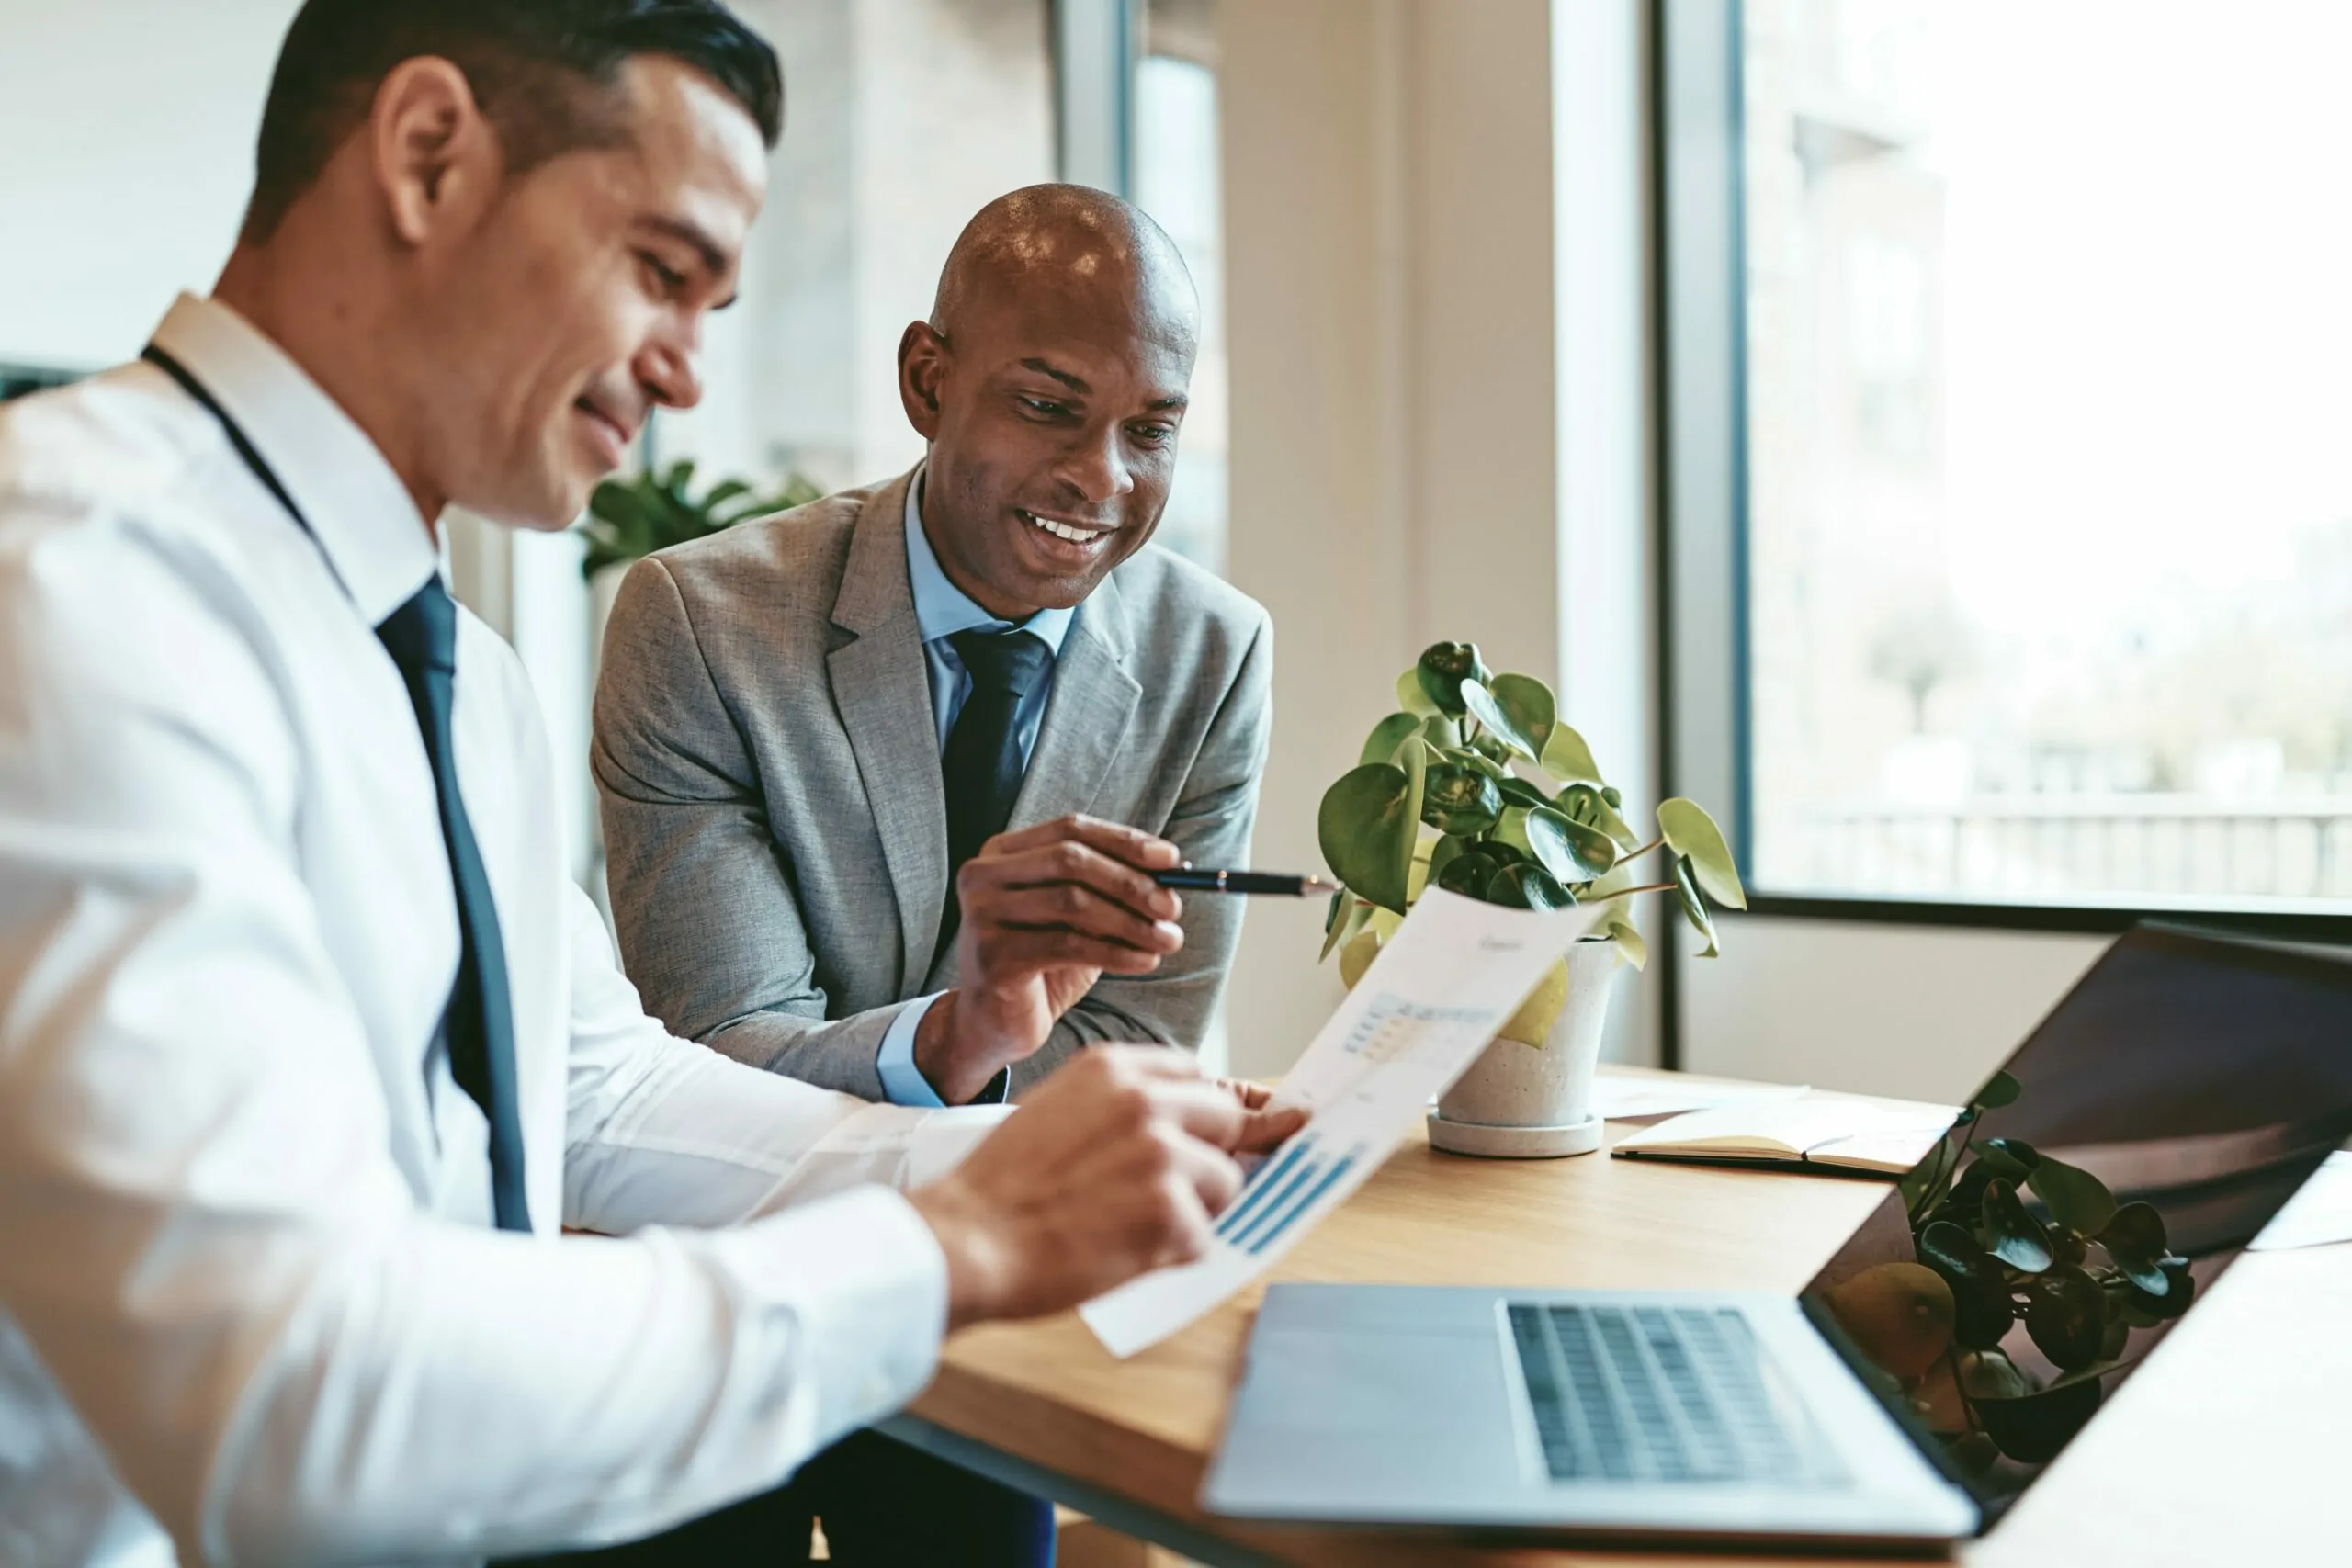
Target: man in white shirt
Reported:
[(299, 1016)]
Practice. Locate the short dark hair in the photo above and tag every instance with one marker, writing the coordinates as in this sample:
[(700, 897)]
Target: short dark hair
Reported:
[(536, 67)]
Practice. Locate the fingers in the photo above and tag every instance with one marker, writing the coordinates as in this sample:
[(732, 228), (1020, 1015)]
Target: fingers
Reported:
[(1210, 1175), (1266, 1128), (1067, 907), (1132, 845), (1067, 862), (1003, 953), (1252, 1096)]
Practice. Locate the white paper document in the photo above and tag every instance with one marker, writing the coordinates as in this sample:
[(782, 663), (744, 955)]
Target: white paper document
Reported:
[(1452, 974), (1630, 1099), (2318, 1214)]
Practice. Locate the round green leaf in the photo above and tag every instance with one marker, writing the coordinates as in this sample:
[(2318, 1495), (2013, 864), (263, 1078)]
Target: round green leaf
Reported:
[(1411, 698), (1478, 762), (1979, 1295), (1569, 850), (1455, 800), (1510, 833), (2076, 1198), (1694, 909), (1386, 736), (1529, 704), (1568, 759), (1443, 667), (1988, 1374), (2148, 1309), (2000, 1090), (1519, 792), (1631, 948), (2010, 1233), (1444, 851), (1483, 707), (1357, 956), (2012, 1157), (2067, 1318), (1692, 834), (2032, 1429), (1468, 872), (2135, 1239), (1367, 825), (1526, 887), (1442, 732), (1589, 805)]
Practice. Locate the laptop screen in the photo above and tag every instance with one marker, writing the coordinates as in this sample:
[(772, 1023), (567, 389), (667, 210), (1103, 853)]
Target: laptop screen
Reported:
[(2096, 1188)]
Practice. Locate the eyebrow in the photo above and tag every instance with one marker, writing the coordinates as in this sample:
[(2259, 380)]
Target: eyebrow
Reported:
[(1177, 401), (1064, 377), (714, 259)]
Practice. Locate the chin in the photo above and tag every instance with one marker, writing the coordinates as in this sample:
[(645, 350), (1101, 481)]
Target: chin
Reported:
[(550, 509)]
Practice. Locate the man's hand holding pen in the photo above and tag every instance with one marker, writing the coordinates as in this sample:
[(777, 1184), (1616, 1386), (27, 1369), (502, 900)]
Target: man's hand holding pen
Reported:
[(1048, 911)]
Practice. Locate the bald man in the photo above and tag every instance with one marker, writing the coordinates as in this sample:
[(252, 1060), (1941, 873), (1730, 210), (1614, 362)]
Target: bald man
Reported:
[(808, 727)]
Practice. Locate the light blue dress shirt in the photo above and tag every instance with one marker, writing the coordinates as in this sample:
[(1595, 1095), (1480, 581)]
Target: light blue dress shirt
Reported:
[(942, 610)]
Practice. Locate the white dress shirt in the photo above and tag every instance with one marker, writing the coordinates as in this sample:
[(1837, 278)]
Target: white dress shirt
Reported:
[(942, 610), (250, 1308)]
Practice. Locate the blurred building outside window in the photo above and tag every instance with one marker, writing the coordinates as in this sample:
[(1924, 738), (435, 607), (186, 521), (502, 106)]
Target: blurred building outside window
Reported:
[(2049, 529)]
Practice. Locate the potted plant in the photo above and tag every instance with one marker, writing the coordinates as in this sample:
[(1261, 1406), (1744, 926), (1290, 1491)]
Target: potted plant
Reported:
[(648, 512), (1475, 785)]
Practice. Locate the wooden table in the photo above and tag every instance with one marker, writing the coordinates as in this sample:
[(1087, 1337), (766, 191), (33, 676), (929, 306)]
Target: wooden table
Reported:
[(2232, 1446)]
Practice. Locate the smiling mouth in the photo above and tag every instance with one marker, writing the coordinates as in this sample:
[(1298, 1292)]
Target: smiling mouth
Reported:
[(620, 433), (1071, 533)]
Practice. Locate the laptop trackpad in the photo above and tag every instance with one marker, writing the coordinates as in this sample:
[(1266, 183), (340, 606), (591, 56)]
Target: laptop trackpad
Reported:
[(1438, 1384)]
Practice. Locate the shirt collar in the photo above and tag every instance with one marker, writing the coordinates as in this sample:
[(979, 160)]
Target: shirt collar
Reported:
[(362, 514), (942, 609)]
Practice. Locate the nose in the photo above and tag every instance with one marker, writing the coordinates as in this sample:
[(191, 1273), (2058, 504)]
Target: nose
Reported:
[(1095, 466), (671, 373)]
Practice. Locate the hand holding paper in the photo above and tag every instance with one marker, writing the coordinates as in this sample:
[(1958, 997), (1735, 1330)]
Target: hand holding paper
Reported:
[(1452, 974)]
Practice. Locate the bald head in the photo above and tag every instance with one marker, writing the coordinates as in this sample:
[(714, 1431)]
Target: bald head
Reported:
[(1050, 381), (1063, 239)]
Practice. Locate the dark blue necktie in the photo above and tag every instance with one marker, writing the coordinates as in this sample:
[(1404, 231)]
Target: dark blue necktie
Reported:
[(983, 764), (422, 636)]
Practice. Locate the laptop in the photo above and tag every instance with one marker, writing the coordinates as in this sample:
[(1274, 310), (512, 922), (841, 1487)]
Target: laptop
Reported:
[(1921, 1382)]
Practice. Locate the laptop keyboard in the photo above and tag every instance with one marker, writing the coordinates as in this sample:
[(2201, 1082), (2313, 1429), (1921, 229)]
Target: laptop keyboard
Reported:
[(1659, 1393)]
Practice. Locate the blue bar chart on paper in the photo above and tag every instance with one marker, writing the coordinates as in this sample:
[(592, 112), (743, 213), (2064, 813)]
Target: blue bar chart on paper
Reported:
[(1285, 1188), (1442, 984)]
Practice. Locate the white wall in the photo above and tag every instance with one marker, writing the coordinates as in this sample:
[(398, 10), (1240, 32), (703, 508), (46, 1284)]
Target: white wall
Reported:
[(126, 156), (1921, 1012), (1388, 174)]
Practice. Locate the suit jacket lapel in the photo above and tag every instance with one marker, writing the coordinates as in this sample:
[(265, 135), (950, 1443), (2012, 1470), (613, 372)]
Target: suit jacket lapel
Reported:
[(1087, 717), (882, 690)]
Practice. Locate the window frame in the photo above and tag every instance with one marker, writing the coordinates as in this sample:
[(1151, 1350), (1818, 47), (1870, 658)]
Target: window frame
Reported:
[(1698, 122)]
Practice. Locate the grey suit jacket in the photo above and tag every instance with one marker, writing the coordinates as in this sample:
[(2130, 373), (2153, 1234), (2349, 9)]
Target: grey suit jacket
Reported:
[(774, 819)]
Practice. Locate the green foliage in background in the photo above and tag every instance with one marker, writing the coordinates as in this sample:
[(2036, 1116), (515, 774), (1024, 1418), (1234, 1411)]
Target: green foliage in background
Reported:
[(633, 517), (1474, 784), (2081, 1271)]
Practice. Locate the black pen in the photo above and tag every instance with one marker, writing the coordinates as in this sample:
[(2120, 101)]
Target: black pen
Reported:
[(1192, 881)]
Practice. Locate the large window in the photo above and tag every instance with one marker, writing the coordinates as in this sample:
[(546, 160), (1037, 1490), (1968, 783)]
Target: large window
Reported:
[(2047, 514), (1176, 180)]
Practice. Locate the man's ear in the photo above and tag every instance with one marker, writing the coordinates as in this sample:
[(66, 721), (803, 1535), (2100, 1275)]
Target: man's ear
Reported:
[(922, 371), (435, 154)]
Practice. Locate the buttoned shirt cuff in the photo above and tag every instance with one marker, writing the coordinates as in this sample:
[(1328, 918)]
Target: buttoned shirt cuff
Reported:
[(904, 1081), (901, 1079)]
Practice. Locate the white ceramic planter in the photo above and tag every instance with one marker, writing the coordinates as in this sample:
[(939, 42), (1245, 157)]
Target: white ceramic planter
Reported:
[(1519, 1102)]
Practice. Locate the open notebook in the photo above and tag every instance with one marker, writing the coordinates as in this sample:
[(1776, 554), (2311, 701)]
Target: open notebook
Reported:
[(1879, 1138)]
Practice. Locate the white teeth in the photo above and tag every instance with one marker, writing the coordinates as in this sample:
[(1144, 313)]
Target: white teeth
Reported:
[(1065, 531)]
